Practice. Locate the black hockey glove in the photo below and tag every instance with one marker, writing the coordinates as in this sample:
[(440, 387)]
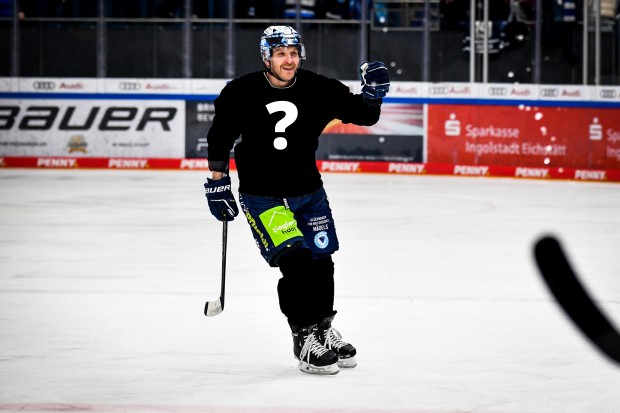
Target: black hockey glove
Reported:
[(221, 199), (375, 82)]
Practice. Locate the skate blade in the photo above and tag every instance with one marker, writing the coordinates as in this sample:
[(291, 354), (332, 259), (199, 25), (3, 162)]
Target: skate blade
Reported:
[(347, 363), (323, 370)]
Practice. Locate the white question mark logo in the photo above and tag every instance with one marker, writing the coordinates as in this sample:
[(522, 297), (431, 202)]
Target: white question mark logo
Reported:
[(290, 115)]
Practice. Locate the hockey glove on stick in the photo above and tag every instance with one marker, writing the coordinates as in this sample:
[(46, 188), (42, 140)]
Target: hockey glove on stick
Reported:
[(375, 82), (221, 199)]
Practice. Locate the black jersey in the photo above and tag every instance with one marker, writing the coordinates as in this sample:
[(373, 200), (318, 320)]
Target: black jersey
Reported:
[(250, 108)]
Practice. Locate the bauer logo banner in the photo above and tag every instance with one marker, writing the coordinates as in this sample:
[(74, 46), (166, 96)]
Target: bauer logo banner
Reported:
[(92, 128), (524, 136)]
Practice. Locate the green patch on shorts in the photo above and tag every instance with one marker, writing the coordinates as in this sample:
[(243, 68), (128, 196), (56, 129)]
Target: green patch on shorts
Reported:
[(280, 224)]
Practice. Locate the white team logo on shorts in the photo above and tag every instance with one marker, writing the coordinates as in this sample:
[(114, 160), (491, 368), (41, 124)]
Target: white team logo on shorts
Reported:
[(321, 240)]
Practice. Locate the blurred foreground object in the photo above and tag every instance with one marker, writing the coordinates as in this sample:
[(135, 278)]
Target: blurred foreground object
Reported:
[(576, 302)]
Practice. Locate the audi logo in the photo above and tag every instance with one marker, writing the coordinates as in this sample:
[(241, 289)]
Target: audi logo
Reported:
[(549, 93), (129, 86), (608, 93), (497, 91), (43, 85), (437, 90)]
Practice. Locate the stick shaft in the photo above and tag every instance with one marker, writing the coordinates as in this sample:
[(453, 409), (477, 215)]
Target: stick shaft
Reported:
[(213, 308), (224, 244), (574, 299)]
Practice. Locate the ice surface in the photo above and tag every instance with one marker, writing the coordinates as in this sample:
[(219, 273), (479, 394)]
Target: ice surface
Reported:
[(104, 275)]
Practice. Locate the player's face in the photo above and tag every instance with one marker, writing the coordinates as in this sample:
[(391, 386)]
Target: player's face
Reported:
[(284, 62)]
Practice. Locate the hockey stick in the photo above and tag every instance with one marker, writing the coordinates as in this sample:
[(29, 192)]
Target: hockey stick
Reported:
[(574, 299), (213, 308)]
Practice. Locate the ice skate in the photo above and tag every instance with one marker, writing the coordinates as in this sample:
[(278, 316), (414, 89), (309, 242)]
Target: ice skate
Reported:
[(313, 357), (332, 340)]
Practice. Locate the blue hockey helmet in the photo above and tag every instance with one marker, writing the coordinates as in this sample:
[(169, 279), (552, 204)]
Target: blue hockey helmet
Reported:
[(280, 36)]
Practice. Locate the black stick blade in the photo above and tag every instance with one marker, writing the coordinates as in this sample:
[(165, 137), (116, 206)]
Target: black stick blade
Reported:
[(573, 298)]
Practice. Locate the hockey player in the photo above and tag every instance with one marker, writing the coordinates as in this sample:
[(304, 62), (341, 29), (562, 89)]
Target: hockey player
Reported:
[(279, 114)]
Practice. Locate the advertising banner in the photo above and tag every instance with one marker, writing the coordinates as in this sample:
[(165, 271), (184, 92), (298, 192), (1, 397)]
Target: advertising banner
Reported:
[(462, 129), (397, 137), (92, 128), (524, 136), (199, 117)]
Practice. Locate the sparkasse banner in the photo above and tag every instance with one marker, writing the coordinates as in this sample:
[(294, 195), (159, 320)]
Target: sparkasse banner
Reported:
[(524, 136), (92, 128)]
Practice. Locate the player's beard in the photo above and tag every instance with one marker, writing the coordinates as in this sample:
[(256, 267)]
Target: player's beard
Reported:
[(284, 73), (287, 71)]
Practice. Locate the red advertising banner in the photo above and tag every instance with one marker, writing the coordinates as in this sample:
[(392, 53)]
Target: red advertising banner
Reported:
[(403, 168), (524, 136)]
